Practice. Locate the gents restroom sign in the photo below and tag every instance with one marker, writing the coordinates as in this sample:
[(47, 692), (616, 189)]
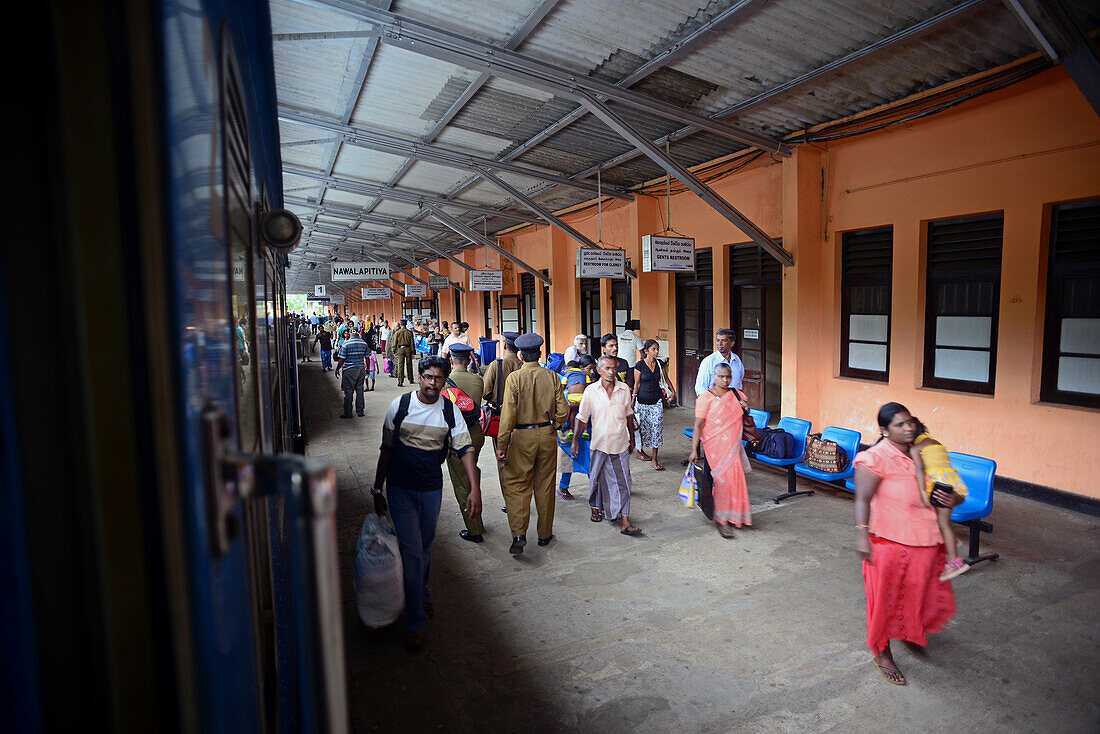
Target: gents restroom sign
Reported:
[(668, 254), (360, 271), (486, 280), (439, 282), (593, 263), (373, 294), (319, 290), (416, 290)]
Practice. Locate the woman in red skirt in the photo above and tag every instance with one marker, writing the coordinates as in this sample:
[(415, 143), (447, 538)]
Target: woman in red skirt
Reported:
[(900, 543)]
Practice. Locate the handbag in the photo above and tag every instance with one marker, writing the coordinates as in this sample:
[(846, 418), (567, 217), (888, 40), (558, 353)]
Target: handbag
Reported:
[(705, 493), (689, 487), (824, 455), (749, 431), (666, 393), (490, 414)]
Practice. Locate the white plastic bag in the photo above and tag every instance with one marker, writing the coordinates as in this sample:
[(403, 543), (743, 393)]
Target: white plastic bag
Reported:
[(379, 588)]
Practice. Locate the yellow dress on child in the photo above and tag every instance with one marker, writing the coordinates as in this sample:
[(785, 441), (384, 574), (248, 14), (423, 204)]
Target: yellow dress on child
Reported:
[(937, 467)]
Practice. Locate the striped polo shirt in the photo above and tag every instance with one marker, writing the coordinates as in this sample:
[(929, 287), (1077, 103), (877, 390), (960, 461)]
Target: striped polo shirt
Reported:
[(354, 352)]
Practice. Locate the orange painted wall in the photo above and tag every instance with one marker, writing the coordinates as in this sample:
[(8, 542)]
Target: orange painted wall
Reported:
[(1019, 151)]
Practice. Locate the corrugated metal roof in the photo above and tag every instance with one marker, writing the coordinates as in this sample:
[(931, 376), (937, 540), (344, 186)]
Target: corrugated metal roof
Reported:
[(762, 46)]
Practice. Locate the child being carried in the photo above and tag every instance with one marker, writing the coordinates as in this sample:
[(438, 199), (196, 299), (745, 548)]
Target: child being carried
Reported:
[(934, 466)]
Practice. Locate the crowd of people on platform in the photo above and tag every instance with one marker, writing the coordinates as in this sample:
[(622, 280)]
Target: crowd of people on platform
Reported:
[(539, 421)]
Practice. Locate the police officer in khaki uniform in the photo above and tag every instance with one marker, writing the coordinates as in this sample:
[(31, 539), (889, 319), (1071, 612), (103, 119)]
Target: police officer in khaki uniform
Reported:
[(469, 383), (402, 352), (533, 409), (497, 373)]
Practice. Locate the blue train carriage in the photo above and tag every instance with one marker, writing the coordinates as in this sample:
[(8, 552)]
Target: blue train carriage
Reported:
[(171, 562)]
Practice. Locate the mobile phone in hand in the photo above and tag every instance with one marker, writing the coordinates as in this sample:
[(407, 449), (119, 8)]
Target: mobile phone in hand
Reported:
[(941, 486)]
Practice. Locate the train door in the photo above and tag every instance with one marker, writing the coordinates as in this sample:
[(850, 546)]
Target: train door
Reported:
[(694, 324), (756, 305)]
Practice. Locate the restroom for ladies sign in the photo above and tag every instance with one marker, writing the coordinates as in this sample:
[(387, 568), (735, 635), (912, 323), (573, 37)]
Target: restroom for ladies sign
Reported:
[(662, 254)]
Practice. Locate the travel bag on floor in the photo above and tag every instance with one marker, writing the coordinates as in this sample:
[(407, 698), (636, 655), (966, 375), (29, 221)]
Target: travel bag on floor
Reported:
[(379, 586)]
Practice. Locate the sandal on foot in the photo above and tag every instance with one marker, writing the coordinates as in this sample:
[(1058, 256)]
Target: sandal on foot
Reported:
[(954, 568), (725, 530), (658, 468), (885, 670), (565, 494), (642, 456), (597, 515), (631, 530)]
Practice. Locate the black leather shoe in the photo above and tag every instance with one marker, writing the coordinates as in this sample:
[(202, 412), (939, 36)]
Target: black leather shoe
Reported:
[(517, 545), (361, 414), (543, 542), (345, 416), (467, 535)]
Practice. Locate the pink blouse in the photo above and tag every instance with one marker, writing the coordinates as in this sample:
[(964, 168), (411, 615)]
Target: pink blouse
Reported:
[(897, 512)]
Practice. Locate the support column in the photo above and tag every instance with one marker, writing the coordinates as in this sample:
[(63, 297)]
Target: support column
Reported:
[(565, 295), (720, 267), (803, 283)]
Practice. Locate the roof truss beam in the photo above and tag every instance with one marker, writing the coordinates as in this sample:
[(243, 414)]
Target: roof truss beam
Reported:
[(433, 248), (427, 40), (545, 213), (688, 179), (392, 193), (401, 147), (480, 239)]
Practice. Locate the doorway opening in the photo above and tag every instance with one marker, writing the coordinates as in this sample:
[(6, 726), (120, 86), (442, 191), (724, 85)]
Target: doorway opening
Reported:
[(694, 323), (756, 313), (590, 312)]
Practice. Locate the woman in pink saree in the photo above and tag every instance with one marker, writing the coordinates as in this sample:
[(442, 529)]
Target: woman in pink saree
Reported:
[(718, 418)]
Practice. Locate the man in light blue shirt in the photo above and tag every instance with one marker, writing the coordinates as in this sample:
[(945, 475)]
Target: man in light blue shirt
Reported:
[(705, 380)]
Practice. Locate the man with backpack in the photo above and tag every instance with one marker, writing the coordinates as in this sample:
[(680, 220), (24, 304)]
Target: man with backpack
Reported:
[(419, 431), (464, 384)]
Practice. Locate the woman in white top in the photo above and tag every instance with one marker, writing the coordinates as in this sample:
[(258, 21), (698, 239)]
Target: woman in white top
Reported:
[(579, 348)]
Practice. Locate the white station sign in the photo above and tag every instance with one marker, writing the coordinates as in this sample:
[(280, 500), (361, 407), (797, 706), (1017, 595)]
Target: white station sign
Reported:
[(439, 282), (336, 300), (373, 294), (361, 271), (593, 263), (319, 290), (486, 280), (416, 290), (662, 254)]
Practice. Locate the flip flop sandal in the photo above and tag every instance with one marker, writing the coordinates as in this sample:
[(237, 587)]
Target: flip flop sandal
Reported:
[(643, 457), (565, 494), (633, 531), (658, 468), (882, 669), (597, 515)]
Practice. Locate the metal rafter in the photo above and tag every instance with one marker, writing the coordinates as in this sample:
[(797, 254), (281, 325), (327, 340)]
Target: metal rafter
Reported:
[(427, 40), (405, 148), (478, 238), (437, 250), (337, 210), (688, 179), (364, 188), (545, 213), (403, 256)]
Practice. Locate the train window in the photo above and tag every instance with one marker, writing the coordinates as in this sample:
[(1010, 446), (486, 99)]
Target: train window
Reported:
[(238, 203)]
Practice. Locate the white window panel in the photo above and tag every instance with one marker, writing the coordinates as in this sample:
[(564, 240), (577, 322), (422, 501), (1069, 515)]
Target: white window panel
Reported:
[(963, 331), (1080, 336), (959, 364), (1079, 374), (867, 357), (868, 327)]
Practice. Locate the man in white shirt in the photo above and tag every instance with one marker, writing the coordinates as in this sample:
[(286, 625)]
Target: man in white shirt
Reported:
[(607, 405), (723, 355), (630, 343)]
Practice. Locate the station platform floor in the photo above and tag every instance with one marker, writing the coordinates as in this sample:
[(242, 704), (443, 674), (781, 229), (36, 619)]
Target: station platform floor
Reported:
[(681, 630)]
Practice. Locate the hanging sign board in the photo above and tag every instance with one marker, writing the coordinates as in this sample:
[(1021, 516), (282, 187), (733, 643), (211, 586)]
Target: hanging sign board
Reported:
[(371, 294), (336, 300), (361, 271), (319, 290), (318, 299), (592, 263), (668, 254), (486, 280), (415, 290), (439, 282)]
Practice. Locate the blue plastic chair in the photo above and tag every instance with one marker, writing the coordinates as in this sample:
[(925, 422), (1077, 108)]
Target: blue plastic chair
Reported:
[(848, 440), (977, 473), (798, 428)]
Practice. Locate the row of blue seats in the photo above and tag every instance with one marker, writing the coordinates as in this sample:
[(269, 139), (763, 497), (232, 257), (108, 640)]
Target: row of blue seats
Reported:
[(977, 473)]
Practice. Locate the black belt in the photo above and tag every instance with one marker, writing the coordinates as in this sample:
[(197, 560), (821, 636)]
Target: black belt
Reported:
[(533, 425)]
